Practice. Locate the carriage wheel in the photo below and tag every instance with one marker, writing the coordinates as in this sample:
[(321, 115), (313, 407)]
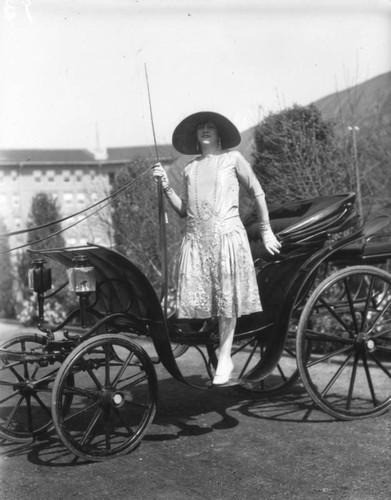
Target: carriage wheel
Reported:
[(114, 397), (26, 387), (344, 343)]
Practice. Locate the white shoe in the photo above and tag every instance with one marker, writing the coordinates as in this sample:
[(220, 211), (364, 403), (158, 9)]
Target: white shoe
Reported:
[(223, 378)]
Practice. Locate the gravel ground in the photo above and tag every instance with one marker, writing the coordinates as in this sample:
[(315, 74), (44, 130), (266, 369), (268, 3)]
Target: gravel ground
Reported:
[(216, 444)]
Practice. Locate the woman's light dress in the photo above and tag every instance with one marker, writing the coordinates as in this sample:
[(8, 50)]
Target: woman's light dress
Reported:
[(216, 272)]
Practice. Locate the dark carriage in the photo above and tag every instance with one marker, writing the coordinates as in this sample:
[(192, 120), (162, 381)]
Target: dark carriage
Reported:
[(97, 384)]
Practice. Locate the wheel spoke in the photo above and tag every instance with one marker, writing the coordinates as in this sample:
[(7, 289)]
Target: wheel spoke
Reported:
[(334, 313), (385, 295), (29, 414), (133, 383), (123, 368), (243, 346), (290, 352), (384, 349), (107, 430), (380, 365), (282, 373), (352, 381), (89, 394), (25, 365), (10, 396), (336, 375), (107, 352), (320, 336), (369, 380), (42, 404), (11, 366), (91, 425), (94, 379), (249, 358), (129, 429), (13, 412), (79, 412), (351, 305), (367, 303), (382, 335), (34, 372), (379, 317), (49, 377), (329, 355)]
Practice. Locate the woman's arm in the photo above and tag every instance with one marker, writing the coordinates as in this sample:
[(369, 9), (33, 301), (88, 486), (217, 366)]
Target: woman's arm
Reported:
[(247, 177), (177, 203)]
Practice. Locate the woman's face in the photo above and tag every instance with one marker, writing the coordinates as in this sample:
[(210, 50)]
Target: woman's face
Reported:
[(207, 133)]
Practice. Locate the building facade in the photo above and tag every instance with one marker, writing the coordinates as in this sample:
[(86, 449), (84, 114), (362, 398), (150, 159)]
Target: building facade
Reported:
[(75, 179)]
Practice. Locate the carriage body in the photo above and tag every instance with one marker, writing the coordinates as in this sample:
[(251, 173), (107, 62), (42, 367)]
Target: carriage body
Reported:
[(100, 383)]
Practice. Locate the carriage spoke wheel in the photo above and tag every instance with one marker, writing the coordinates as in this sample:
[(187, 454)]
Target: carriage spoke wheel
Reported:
[(25, 387), (114, 397), (344, 343)]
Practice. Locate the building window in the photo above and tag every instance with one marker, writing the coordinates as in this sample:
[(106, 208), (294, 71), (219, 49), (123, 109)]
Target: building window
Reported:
[(68, 198), (79, 175), (14, 175), (66, 175), (37, 174), (81, 199), (92, 174), (50, 174), (15, 200)]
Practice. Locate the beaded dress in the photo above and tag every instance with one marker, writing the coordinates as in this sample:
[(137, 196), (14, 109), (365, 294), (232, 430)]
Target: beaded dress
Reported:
[(216, 275)]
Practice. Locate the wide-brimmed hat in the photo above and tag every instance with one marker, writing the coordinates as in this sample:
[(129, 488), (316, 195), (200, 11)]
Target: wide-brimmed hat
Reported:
[(184, 138)]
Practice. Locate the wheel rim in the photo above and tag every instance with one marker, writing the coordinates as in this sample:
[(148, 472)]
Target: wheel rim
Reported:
[(26, 387), (113, 397), (346, 326)]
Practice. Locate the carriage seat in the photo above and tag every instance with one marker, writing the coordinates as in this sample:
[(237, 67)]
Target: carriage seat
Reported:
[(368, 252)]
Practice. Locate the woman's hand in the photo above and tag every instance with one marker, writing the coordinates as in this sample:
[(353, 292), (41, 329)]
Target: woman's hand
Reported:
[(160, 173), (270, 242)]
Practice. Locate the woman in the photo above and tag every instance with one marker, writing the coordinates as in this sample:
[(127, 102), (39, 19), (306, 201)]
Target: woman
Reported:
[(216, 272)]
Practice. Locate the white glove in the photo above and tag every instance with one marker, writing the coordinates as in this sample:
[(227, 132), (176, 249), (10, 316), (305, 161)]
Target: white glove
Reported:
[(270, 242), (160, 173)]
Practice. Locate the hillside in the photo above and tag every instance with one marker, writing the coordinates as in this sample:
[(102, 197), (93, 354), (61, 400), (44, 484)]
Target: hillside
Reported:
[(364, 105), (367, 105)]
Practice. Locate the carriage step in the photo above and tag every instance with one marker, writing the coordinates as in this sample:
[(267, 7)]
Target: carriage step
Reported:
[(231, 383)]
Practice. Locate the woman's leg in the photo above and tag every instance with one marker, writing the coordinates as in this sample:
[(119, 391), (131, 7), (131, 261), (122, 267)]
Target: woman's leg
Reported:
[(225, 364)]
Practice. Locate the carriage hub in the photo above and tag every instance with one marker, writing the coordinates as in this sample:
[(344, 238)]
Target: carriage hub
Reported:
[(371, 345), (25, 388), (112, 399)]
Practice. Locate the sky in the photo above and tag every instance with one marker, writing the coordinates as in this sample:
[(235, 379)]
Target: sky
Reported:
[(74, 72)]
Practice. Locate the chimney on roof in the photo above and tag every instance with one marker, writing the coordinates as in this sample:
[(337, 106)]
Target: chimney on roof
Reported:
[(99, 152)]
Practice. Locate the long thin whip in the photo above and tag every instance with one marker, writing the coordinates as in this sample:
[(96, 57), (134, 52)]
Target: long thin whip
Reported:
[(151, 114), (161, 208)]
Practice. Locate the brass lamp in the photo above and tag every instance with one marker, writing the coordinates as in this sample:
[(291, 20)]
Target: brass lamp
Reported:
[(40, 280), (39, 277), (83, 282)]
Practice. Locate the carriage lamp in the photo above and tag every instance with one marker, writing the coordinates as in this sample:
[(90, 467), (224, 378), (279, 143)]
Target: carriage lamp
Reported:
[(40, 280), (83, 282), (39, 277)]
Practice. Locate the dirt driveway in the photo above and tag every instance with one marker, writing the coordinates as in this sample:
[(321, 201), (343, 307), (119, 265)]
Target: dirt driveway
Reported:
[(220, 444)]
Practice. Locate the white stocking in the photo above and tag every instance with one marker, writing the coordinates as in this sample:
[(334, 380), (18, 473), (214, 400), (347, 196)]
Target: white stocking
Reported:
[(226, 333)]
